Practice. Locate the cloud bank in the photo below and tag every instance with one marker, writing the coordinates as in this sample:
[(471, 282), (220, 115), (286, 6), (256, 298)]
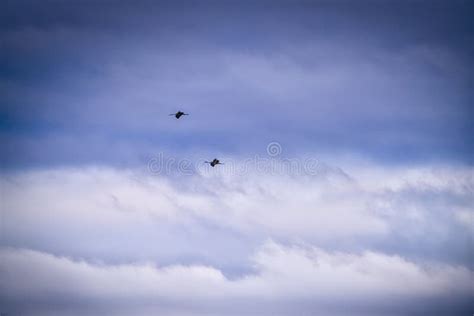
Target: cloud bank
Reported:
[(130, 242), (287, 279)]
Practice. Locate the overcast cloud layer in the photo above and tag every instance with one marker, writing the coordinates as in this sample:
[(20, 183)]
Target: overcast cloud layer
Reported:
[(88, 82), (345, 128)]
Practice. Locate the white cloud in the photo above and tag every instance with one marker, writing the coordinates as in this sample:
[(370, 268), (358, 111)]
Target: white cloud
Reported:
[(289, 275), (103, 206), (377, 235), (95, 211)]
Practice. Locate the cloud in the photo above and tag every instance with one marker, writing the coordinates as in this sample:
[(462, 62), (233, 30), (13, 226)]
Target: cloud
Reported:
[(292, 277), (315, 78), (86, 93), (123, 214), (367, 240)]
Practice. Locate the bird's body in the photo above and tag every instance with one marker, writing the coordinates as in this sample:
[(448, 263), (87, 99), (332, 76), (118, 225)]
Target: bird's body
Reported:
[(214, 162), (178, 114)]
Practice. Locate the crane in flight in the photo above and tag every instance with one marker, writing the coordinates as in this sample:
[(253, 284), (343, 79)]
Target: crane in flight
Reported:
[(178, 114), (214, 162)]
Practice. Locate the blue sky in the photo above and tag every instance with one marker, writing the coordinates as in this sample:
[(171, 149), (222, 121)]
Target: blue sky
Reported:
[(378, 94)]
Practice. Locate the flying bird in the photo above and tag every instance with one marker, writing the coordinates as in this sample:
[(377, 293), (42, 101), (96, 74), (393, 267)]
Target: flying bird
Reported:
[(214, 162), (178, 114)]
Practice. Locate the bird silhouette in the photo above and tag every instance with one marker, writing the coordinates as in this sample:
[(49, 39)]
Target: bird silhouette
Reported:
[(214, 162), (178, 114)]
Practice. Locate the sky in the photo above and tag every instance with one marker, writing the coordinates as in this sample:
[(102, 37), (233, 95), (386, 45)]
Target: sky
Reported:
[(345, 132)]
